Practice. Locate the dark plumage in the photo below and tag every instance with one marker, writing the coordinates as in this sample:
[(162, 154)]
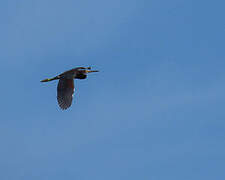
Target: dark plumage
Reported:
[(65, 88)]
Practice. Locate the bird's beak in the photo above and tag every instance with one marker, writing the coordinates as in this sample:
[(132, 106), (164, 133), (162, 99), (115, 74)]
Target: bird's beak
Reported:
[(90, 71)]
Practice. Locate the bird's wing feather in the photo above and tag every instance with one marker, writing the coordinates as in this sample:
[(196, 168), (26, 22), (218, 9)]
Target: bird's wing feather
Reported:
[(65, 92)]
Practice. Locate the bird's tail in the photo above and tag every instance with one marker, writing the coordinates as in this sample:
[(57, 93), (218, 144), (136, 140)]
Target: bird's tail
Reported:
[(51, 79)]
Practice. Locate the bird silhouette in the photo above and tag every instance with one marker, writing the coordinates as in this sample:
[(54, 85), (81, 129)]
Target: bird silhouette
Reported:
[(65, 88)]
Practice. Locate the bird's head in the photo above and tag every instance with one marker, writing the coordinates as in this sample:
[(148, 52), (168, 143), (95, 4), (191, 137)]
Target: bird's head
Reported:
[(81, 72)]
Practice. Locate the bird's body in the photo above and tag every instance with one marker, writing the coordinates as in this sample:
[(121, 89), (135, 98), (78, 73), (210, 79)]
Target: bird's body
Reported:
[(65, 88)]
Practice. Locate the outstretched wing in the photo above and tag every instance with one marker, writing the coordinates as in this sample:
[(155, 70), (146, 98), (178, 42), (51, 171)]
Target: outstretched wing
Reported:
[(65, 92)]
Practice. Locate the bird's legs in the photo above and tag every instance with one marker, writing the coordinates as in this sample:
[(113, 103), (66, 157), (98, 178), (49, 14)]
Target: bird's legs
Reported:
[(51, 79)]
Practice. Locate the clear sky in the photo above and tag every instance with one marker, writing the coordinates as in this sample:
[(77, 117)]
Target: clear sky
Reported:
[(154, 112)]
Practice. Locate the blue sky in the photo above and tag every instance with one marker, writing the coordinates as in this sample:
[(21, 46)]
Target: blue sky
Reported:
[(154, 112)]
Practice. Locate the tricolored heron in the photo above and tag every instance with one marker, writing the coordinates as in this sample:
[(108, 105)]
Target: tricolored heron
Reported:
[(65, 88)]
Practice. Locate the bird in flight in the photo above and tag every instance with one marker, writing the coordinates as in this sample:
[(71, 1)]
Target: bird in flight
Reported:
[(65, 88)]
